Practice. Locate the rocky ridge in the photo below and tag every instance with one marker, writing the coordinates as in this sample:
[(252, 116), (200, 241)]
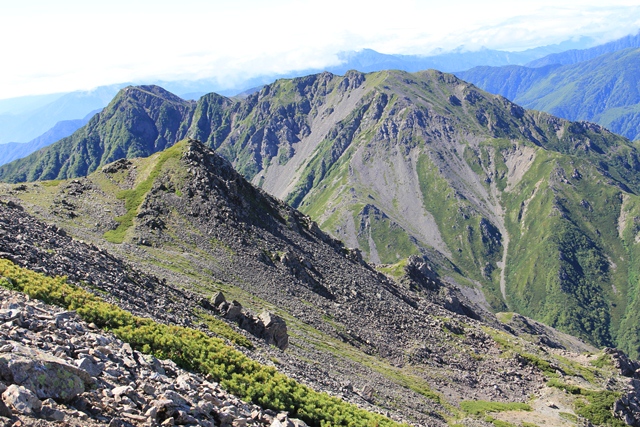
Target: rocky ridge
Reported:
[(48, 249), (352, 331)]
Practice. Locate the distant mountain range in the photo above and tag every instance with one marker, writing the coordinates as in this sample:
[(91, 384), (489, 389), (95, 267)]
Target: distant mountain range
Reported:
[(599, 87), (574, 56), (368, 60), (526, 211), (17, 150), (33, 116), (25, 118)]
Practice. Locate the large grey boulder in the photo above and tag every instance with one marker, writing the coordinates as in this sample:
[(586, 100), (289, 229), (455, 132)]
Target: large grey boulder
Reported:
[(275, 330), (45, 375), (21, 399)]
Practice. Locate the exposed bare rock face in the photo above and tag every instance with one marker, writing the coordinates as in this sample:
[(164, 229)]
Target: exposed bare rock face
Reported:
[(267, 325)]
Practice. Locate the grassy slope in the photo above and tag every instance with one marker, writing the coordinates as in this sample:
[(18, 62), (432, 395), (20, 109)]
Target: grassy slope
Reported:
[(165, 163)]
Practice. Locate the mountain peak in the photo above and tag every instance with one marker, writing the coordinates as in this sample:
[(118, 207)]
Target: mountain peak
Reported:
[(139, 121), (150, 90)]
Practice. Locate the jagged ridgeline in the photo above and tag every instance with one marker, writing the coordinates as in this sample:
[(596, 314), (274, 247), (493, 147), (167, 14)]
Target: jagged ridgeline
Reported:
[(538, 212)]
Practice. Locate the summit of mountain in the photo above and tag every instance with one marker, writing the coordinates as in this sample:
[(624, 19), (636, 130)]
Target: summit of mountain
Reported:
[(139, 121)]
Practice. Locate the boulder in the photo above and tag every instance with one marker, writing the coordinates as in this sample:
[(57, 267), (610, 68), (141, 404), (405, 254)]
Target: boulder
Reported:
[(21, 399), (234, 312), (51, 414), (45, 375), (217, 299), (90, 365), (275, 330)]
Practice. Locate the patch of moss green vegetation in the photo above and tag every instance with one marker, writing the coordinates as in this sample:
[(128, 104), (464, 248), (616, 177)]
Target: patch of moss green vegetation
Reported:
[(220, 328), (576, 369), (603, 361), (317, 202), (473, 159), (487, 162), (133, 198), (339, 327), (284, 154), (403, 377), (392, 241), (596, 406), (396, 271), (498, 423), (505, 317), (538, 362), (51, 183), (194, 350), (569, 417), (482, 407)]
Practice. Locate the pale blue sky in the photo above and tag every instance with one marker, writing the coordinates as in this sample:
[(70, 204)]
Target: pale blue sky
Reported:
[(63, 45)]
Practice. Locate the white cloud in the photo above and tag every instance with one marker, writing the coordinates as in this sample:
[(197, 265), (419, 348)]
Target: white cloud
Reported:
[(66, 45)]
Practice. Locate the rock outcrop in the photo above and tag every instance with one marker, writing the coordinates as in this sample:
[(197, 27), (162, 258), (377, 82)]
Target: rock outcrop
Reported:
[(272, 328)]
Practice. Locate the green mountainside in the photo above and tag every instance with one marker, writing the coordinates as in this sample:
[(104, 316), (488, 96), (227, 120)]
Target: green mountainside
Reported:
[(529, 212), (139, 121), (604, 90)]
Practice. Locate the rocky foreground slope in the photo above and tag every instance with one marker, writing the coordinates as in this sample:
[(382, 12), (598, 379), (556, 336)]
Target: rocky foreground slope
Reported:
[(56, 369), (169, 232)]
